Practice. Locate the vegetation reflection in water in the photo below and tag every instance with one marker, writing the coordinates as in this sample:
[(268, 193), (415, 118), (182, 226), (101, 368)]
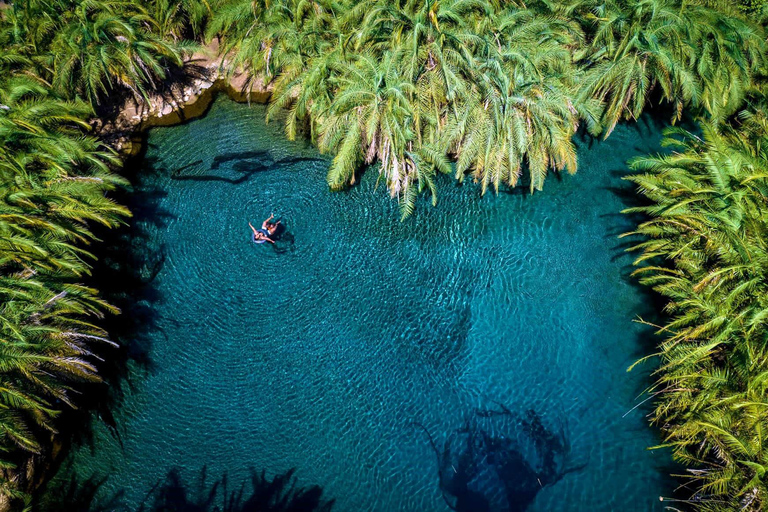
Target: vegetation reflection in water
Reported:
[(370, 354)]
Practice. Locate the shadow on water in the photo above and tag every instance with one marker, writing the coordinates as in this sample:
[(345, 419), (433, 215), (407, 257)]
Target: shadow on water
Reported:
[(172, 494), (657, 115), (626, 222), (135, 258), (498, 461), (129, 259), (653, 304), (286, 242), (243, 166), (649, 129)]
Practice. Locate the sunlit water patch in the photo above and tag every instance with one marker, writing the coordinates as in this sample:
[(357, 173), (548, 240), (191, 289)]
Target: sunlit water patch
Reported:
[(472, 357)]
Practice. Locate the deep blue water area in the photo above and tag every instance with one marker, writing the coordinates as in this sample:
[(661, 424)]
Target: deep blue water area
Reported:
[(472, 357)]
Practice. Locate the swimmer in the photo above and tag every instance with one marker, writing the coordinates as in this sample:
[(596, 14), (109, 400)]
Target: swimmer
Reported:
[(269, 226), (261, 235)]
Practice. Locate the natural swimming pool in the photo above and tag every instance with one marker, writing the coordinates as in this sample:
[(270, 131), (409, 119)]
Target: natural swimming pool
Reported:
[(474, 355)]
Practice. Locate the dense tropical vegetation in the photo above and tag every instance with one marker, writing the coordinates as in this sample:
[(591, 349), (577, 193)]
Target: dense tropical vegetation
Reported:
[(708, 221), (487, 89), (59, 59), (53, 183), (500, 88)]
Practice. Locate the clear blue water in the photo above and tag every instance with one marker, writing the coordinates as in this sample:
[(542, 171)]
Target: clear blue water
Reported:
[(500, 327)]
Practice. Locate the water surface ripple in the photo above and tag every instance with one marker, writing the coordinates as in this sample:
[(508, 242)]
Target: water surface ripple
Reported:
[(471, 357)]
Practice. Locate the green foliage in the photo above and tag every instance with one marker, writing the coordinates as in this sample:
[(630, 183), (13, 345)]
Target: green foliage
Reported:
[(754, 8), (52, 184), (59, 58), (704, 249), (89, 49), (483, 89), (499, 88), (180, 19), (692, 54)]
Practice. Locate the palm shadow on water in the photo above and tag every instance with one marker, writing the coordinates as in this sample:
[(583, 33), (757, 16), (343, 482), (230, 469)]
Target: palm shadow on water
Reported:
[(239, 168), (129, 259), (236, 168), (652, 303), (172, 494), (498, 461)]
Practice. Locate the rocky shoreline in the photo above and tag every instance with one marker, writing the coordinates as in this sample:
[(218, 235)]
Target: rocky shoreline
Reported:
[(185, 95)]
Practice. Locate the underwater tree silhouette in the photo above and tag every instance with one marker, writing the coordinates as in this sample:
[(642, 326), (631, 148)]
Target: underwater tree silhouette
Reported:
[(278, 494), (499, 461)]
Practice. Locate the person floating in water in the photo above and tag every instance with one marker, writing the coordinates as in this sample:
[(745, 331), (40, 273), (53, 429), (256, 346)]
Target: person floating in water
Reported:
[(267, 229), (260, 235), (270, 226)]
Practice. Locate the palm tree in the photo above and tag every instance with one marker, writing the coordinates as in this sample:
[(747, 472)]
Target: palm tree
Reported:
[(294, 45), (430, 37), (52, 185), (634, 49), (708, 221), (522, 112), (90, 49), (269, 37), (730, 51), (692, 54), (184, 19), (305, 89), (522, 64), (101, 46), (371, 118), (508, 126)]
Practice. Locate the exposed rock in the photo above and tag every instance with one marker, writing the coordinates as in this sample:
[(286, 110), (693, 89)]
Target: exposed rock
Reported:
[(185, 96)]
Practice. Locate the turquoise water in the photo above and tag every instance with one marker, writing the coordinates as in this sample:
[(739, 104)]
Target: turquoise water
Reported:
[(474, 355)]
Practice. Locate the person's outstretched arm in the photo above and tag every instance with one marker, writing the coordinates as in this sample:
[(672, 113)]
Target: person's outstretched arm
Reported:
[(253, 228)]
